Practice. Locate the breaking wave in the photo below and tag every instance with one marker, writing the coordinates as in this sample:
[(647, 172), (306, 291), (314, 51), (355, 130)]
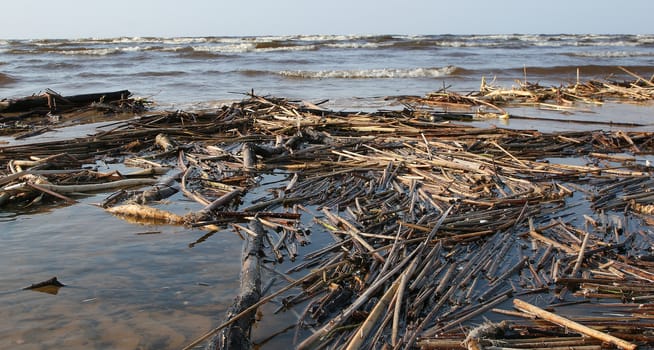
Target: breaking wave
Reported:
[(246, 44), (380, 73), (610, 54), (6, 79)]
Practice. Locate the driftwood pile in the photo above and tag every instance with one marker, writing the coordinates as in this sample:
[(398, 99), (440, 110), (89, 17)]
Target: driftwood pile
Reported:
[(443, 235), (34, 115), (492, 101)]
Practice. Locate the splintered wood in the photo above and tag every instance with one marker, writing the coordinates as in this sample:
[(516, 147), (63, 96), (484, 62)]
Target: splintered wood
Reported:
[(432, 229)]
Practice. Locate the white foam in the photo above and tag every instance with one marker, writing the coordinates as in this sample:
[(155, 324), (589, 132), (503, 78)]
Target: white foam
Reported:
[(232, 48), (101, 51), (355, 45), (380, 73), (612, 54), (243, 47)]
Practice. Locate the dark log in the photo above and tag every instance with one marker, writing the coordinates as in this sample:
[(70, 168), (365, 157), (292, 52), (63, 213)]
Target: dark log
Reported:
[(52, 282), (55, 102), (50, 286), (161, 190), (237, 335)]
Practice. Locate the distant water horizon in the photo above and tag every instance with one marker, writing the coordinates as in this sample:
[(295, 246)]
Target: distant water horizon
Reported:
[(197, 72)]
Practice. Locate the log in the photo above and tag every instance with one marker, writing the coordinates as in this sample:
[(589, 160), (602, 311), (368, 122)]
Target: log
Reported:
[(52, 282), (237, 335), (61, 103), (50, 286), (163, 189), (99, 186), (147, 213), (577, 327), (246, 312)]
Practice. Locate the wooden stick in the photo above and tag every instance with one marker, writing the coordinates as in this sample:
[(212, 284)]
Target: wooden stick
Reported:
[(98, 187), (564, 322), (313, 340), (237, 335), (361, 334), (556, 244), (580, 257), (354, 232), (52, 193), (219, 202)]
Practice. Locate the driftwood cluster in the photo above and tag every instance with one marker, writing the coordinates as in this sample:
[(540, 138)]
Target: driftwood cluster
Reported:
[(491, 100), (443, 235), (37, 114)]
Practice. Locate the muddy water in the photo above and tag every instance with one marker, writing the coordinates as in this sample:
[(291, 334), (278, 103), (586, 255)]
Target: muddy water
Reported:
[(125, 289)]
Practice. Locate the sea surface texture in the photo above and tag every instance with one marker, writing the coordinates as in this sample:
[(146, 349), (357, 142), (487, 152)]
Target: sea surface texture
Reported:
[(204, 71)]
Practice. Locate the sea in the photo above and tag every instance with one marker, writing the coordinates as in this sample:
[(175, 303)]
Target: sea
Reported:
[(349, 70), (132, 286)]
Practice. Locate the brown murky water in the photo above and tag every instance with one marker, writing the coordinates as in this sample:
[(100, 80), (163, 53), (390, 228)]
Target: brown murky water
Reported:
[(124, 289)]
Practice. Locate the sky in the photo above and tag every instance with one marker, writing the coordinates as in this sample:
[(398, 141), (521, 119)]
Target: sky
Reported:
[(38, 19)]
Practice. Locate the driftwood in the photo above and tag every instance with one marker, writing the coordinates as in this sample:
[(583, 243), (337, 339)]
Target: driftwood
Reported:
[(433, 224), (56, 103), (49, 286), (52, 282), (237, 334), (577, 327)]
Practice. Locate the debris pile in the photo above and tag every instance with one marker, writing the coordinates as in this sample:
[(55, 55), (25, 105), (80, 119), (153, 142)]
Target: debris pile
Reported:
[(442, 235)]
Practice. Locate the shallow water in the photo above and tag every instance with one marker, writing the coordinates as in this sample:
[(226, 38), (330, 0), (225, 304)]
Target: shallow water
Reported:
[(124, 288)]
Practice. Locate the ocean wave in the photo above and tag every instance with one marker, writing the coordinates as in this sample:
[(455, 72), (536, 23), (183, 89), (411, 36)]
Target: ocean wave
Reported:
[(191, 53), (610, 54), (6, 79), (50, 66), (160, 73), (254, 72), (245, 47), (584, 70), (354, 45), (283, 45), (138, 74), (80, 51), (229, 49), (288, 43), (380, 73)]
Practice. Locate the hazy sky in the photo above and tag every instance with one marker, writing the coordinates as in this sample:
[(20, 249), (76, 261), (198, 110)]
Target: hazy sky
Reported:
[(80, 19)]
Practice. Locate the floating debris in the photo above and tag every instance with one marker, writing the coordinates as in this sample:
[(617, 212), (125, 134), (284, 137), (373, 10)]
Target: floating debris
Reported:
[(434, 227)]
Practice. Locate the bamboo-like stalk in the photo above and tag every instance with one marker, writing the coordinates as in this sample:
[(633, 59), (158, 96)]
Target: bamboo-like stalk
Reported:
[(580, 258), (99, 186), (360, 335), (316, 338), (577, 327), (52, 193)]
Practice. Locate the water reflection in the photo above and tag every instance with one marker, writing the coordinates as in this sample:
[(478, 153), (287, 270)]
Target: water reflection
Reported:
[(124, 289)]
